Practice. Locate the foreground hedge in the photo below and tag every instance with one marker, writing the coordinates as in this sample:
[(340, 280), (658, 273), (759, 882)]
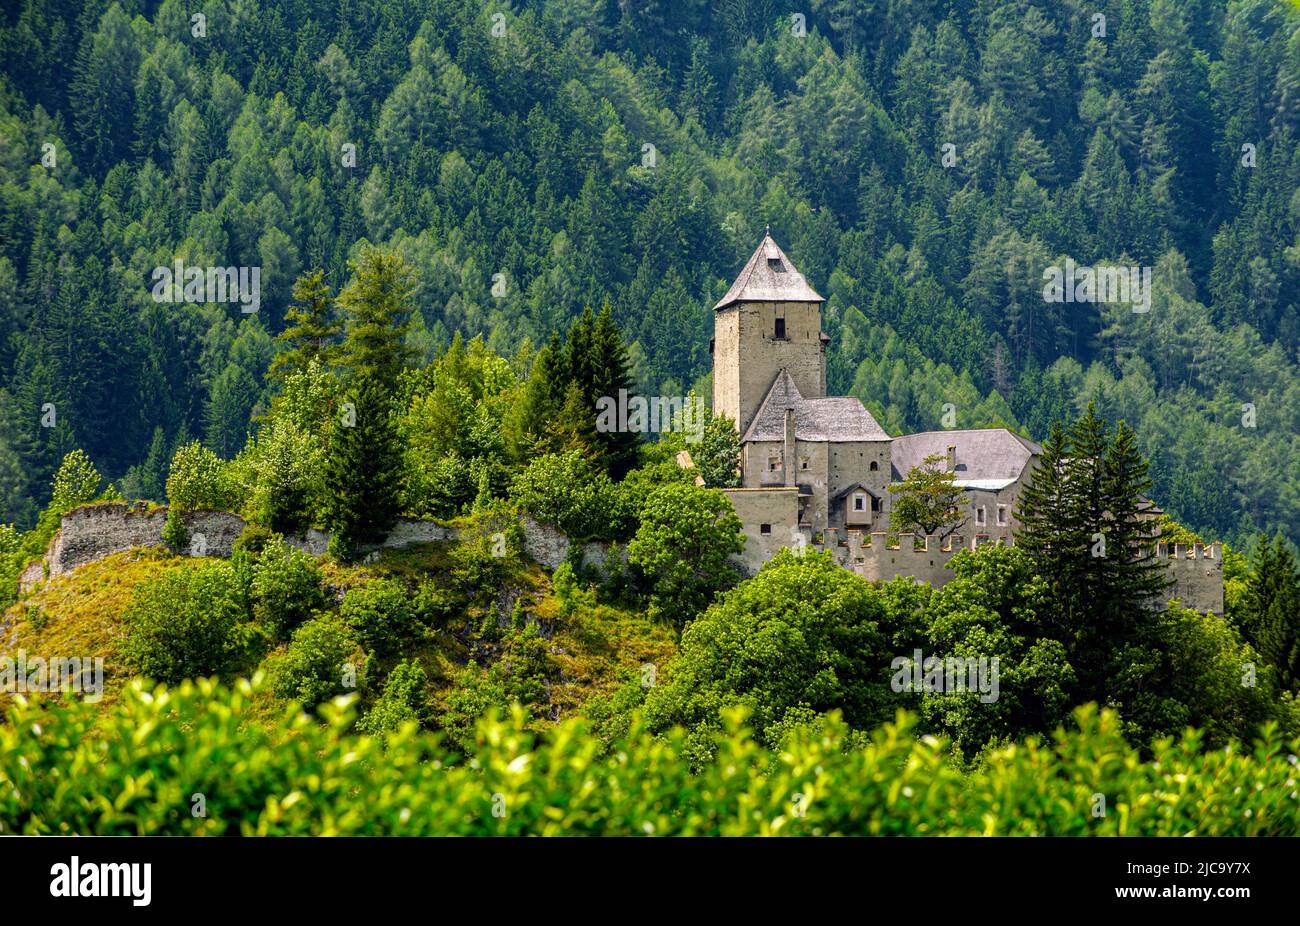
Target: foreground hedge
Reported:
[(136, 767)]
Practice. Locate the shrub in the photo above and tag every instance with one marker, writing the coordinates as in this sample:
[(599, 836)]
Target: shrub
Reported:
[(197, 480), (285, 475), (183, 624), (320, 659), (404, 700), (125, 768), (803, 632), (379, 614), (686, 536), (286, 587), (569, 491), (175, 535), (487, 547), (76, 482)]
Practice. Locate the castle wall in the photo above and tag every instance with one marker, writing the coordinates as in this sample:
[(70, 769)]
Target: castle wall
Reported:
[(778, 508), (1196, 571), (850, 462)]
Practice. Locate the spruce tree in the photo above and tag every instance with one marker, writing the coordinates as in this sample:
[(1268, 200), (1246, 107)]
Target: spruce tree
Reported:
[(313, 329), (364, 469), (609, 363), (1271, 622), (378, 304), (364, 461), (1134, 576), (1053, 532)]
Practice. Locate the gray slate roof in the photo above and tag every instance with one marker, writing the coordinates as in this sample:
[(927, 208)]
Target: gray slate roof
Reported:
[(763, 280), (989, 455), (837, 419)]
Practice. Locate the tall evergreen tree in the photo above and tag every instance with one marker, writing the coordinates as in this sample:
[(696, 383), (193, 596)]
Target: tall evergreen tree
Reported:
[(378, 303), (313, 328), (364, 457), (609, 365), (1271, 619), (363, 469)]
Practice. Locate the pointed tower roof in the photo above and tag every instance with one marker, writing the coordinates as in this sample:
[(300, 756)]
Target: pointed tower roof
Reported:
[(769, 277)]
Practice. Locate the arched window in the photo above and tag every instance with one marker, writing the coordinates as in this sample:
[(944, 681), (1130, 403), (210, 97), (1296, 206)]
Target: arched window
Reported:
[(874, 466)]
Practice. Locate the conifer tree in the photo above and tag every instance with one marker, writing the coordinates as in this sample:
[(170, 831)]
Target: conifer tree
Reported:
[(1051, 530), (313, 329), (378, 303), (609, 364), (1271, 622), (363, 469)]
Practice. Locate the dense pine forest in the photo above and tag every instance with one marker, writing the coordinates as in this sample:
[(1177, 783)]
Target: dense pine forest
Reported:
[(921, 162)]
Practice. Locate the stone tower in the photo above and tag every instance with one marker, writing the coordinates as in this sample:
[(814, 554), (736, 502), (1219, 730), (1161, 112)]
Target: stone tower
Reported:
[(769, 321)]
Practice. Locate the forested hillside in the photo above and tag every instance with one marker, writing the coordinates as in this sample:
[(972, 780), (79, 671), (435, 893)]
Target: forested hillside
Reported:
[(530, 161)]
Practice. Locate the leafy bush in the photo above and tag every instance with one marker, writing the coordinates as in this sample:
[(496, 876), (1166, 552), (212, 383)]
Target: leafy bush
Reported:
[(318, 662), (569, 491), (130, 767), (183, 624), (76, 482), (379, 614), (686, 536), (403, 701), (286, 587), (284, 473), (198, 480), (802, 633)]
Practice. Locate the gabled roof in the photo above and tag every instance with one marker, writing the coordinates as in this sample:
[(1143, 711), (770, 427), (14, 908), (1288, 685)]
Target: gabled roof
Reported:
[(855, 487), (986, 457), (839, 419), (769, 277)]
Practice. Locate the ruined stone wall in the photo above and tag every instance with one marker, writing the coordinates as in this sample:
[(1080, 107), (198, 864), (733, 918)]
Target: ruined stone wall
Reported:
[(92, 532)]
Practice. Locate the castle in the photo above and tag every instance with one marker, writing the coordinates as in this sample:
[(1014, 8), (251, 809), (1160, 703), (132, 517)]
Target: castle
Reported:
[(815, 469)]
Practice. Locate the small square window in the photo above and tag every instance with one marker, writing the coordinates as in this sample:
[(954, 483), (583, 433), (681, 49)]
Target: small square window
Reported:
[(979, 515), (859, 503), (803, 464), (765, 528), (773, 464), (776, 265)]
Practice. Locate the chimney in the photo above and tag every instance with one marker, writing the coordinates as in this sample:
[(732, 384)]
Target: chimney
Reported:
[(952, 458), (788, 452)]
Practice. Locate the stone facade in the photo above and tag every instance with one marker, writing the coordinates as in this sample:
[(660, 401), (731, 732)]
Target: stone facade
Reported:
[(816, 470)]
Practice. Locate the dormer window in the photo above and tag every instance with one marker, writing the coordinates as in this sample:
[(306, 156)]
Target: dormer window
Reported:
[(780, 328), (776, 265)]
